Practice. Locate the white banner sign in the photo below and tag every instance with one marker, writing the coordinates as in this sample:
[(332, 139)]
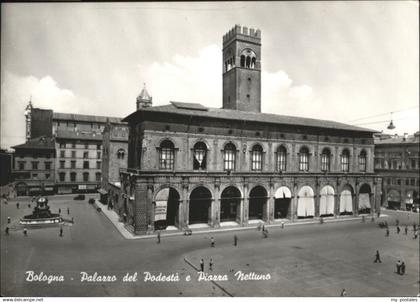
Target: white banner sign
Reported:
[(160, 210)]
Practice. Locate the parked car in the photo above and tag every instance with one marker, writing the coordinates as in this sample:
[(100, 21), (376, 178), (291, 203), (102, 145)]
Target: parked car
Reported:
[(79, 197)]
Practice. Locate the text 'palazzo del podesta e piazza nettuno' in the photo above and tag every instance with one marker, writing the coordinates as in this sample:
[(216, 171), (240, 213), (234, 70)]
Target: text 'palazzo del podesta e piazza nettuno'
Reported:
[(191, 165)]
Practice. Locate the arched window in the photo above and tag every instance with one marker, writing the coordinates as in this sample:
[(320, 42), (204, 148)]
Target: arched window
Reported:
[(200, 156), (253, 62), (166, 155), (325, 160), (229, 157), (248, 62), (281, 159), (362, 161), (345, 161), (304, 159), (120, 153), (242, 61), (256, 158)]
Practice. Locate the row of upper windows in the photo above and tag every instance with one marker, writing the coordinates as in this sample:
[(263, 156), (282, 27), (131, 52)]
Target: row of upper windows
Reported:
[(85, 145), (381, 163), (34, 165), (167, 158), (73, 164), (73, 175), (85, 154), (399, 181)]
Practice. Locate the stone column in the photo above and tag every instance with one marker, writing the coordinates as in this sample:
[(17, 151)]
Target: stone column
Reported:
[(216, 205), (140, 207), (268, 165), (356, 200), (270, 203), (186, 205), (151, 208), (294, 201), (216, 154), (317, 197), (245, 205), (337, 200), (336, 167)]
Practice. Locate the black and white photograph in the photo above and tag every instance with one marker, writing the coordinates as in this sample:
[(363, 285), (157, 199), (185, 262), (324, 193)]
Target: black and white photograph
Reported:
[(210, 149)]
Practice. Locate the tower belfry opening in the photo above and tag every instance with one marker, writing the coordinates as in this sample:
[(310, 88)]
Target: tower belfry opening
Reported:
[(242, 69)]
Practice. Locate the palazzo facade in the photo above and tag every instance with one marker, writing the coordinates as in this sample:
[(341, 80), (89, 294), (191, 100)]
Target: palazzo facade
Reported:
[(191, 165)]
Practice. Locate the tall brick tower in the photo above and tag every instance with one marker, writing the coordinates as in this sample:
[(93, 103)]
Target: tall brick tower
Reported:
[(242, 69)]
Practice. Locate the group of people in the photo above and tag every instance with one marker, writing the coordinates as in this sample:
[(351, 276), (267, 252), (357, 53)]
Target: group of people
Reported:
[(202, 264), (400, 267), (397, 224)]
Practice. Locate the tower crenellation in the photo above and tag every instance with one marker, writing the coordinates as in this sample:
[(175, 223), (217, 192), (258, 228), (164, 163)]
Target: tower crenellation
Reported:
[(242, 69)]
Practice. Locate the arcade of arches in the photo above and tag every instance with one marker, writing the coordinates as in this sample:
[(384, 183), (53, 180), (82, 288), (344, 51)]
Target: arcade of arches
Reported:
[(231, 205)]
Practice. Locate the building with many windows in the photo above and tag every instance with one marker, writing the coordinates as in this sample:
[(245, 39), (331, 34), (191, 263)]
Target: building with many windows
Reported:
[(194, 166), (397, 162), (34, 166), (77, 144)]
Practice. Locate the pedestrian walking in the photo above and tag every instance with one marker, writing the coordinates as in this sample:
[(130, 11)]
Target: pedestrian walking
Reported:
[(212, 242), (8, 219), (61, 231), (398, 267), (59, 210), (416, 234), (387, 233), (235, 240), (29, 205), (25, 231), (68, 211), (402, 268), (406, 230), (7, 230), (282, 224), (17, 205), (202, 265), (377, 257), (343, 293), (158, 237), (265, 233), (211, 264), (398, 229)]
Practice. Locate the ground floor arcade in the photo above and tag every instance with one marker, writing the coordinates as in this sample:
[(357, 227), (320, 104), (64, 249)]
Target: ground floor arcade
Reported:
[(214, 201)]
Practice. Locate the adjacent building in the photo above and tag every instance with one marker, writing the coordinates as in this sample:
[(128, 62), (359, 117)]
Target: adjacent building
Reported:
[(34, 166), (194, 166), (76, 142), (397, 161)]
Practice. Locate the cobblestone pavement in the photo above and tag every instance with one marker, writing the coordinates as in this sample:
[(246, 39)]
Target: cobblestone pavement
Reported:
[(301, 260)]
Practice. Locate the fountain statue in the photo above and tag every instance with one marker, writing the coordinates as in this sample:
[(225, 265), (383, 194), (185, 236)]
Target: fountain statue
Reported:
[(41, 214)]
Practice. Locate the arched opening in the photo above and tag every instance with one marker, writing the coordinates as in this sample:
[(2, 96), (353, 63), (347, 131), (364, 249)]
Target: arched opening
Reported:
[(364, 199), (242, 61), (229, 157), (200, 156), (394, 200), (345, 161), (256, 158), (409, 200), (281, 158), (21, 189), (166, 155), (306, 203), (248, 62), (257, 203), (166, 208), (325, 160), (362, 161), (253, 62), (200, 205), (346, 201), (326, 202), (283, 197), (304, 159), (230, 204)]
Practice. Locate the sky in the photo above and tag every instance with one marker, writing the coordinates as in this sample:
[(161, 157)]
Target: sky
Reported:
[(352, 62)]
